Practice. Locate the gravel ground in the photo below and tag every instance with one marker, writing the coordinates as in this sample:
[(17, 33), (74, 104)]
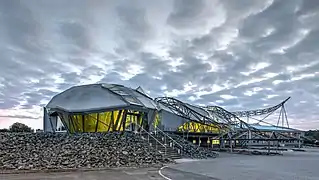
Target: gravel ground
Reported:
[(292, 165)]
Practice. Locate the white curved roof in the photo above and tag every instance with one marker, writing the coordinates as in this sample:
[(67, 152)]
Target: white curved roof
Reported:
[(99, 97)]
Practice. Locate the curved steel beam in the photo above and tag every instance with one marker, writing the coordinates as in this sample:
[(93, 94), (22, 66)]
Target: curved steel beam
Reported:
[(186, 111), (195, 113), (258, 112), (226, 118), (229, 118)]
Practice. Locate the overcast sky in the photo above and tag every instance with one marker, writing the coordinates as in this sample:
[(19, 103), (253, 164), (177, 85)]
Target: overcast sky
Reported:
[(238, 54)]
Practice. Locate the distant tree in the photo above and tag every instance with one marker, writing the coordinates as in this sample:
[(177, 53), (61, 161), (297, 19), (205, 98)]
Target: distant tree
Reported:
[(38, 130), (313, 137), (19, 127), (4, 130), (313, 134)]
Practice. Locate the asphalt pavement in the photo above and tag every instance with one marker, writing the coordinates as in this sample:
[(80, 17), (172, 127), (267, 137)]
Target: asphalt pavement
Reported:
[(292, 165)]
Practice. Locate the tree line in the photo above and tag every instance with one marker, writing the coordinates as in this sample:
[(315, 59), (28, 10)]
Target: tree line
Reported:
[(18, 127), (313, 134)]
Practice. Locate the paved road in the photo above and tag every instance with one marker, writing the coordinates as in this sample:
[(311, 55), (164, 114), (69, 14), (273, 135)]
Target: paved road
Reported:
[(128, 174), (135, 174), (175, 174), (293, 165)]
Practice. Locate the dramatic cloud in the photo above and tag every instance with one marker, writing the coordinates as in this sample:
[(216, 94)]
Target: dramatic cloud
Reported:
[(236, 54)]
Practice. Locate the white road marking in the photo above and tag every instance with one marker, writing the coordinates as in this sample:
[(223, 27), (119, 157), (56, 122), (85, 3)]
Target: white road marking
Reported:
[(160, 173)]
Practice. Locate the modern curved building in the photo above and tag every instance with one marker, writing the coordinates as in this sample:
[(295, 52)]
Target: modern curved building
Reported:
[(99, 108), (112, 107)]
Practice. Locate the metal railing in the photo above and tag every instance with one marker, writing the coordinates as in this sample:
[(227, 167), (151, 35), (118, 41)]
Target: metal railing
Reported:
[(173, 142), (149, 135)]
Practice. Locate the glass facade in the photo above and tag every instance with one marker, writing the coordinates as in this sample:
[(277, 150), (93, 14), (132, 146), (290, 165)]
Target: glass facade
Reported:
[(198, 127), (117, 120)]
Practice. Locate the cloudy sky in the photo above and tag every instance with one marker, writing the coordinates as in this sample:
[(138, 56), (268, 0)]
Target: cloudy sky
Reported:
[(236, 54)]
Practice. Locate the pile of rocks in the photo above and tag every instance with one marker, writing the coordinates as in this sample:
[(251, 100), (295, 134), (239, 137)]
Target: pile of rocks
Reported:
[(38, 151), (193, 151)]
